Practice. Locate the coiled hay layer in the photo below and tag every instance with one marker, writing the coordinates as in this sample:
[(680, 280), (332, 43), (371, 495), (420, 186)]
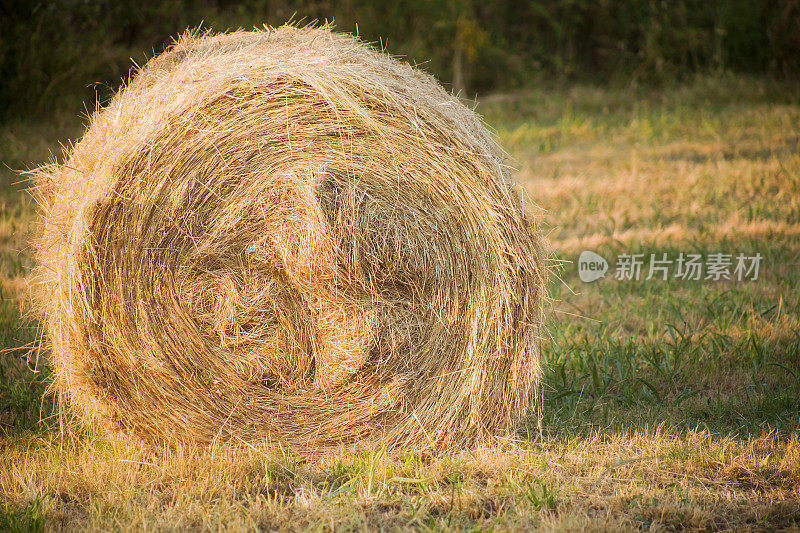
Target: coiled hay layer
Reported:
[(285, 236)]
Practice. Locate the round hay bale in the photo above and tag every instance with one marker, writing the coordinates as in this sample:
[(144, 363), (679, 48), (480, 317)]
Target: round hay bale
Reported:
[(285, 236)]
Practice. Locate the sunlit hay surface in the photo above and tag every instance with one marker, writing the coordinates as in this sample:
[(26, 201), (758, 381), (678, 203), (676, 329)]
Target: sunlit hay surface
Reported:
[(286, 237)]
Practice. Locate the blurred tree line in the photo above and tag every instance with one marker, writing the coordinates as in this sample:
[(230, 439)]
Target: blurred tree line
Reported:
[(60, 52)]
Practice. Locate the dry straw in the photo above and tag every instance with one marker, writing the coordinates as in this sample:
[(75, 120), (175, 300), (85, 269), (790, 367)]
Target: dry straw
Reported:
[(287, 237)]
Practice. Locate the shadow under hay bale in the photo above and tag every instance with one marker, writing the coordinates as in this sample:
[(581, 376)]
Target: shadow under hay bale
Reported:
[(287, 237)]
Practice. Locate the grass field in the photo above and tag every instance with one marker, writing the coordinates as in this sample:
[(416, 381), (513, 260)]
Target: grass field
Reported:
[(667, 404)]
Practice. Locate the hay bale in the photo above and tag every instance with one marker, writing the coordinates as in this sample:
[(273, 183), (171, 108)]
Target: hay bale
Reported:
[(287, 236)]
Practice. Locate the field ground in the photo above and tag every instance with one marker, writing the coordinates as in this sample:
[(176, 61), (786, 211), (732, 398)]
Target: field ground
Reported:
[(667, 404)]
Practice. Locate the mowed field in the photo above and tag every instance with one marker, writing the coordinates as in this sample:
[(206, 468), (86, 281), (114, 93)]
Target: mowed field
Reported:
[(666, 404)]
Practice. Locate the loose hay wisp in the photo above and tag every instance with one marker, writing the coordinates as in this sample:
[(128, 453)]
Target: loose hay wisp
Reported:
[(285, 236)]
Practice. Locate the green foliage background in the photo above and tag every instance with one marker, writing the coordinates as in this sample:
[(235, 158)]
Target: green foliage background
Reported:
[(80, 50)]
